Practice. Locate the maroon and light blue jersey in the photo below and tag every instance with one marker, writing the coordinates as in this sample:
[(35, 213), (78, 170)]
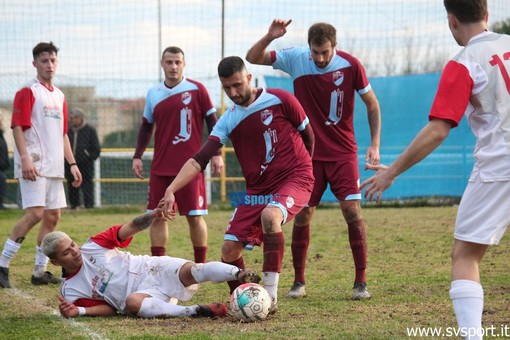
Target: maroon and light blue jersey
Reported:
[(327, 95), (179, 115), (266, 139)]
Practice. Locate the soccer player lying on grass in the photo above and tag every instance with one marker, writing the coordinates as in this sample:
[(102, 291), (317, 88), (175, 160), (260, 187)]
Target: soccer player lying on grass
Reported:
[(101, 280)]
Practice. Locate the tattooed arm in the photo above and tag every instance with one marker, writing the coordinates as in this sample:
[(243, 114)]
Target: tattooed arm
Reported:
[(139, 223)]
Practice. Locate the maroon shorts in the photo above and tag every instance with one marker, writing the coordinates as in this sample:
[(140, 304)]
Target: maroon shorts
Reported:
[(245, 225), (342, 176), (191, 200)]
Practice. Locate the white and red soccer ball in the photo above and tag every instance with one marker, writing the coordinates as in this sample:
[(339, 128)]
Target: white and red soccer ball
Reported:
[(250, 302)]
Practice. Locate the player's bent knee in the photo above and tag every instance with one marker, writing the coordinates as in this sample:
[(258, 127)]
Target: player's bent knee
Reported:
[(134, 302), (231, 251)]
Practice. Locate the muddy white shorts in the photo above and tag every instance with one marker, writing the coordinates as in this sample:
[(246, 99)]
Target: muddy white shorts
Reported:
[(47, 192), (161, 279)]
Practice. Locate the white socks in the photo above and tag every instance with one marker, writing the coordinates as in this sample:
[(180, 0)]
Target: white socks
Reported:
[(152, 307), (10, 249), (467, 298), (214, 271), (41, 262), (271, 284)]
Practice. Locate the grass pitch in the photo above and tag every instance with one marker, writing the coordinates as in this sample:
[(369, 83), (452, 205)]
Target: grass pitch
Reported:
[(408, 277)]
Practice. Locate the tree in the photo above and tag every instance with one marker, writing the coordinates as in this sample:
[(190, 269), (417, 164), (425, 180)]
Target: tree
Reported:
[(501, 26)]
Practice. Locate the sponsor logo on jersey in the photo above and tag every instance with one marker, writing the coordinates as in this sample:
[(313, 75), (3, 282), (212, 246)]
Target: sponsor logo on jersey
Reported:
[(266, 116), (52, 112), (338, 77), (186, 98)]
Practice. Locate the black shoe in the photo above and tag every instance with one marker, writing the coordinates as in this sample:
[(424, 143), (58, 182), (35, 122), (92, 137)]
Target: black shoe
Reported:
[(4, 277), (46, 279), (297, 290)]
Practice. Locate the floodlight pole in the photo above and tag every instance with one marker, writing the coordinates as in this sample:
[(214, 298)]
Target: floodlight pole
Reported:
[(159, 41)]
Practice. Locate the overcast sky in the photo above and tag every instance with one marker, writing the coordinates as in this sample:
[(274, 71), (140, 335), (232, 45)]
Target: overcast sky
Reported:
[(114, 45)]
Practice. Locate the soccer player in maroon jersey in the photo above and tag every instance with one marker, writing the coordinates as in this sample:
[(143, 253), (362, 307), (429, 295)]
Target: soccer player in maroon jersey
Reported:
[(476, 84), (325, 83), (273, 142), (177, 108)]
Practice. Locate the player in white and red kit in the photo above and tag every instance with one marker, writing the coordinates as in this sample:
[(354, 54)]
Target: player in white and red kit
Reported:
[(177, 108), (102, 280), (474, 84), (39, 124), (273, 142), (325, 83)]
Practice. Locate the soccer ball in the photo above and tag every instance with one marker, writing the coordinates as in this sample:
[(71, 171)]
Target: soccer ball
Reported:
[(250, 302)]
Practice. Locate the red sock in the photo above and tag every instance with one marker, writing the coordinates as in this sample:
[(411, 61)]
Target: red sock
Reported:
[(200, 254), (299, 247), (240, 264), (358, 242), (274, 244), (158, 251)]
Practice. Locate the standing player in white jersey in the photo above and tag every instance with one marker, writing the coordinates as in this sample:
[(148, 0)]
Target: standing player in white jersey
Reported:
[(273, 142), (474, 84), (325, 83), (178, 108), (39, 123)]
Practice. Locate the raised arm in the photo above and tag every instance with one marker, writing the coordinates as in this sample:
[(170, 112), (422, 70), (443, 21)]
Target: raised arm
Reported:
[(257, 54), (139, 223)]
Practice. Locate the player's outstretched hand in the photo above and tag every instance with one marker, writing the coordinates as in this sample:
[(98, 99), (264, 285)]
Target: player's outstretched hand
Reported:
[(167, 205), (278, 28), (377, 184), (67, 309)]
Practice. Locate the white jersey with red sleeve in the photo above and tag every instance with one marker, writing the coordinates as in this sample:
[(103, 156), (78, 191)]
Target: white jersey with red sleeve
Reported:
[(476, 84), (107, 274), (327, 95), (179, 114), (42, 114), (266, 139)]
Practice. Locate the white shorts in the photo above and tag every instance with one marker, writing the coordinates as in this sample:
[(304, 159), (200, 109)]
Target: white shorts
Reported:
[(484, 214), (47, 192), (162, 279)]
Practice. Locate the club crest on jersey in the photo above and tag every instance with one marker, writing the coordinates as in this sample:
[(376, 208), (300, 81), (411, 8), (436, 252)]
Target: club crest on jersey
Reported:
[(266, 116), (289, 202), (186, 98), (338, 77)]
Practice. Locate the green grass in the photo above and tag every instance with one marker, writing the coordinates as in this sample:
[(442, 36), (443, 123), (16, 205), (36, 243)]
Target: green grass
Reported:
[(408, 277)]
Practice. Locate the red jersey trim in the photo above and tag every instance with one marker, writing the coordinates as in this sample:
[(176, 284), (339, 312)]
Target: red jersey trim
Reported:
[(109, 239), (89, 303), (451, 105), (22, 109)]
